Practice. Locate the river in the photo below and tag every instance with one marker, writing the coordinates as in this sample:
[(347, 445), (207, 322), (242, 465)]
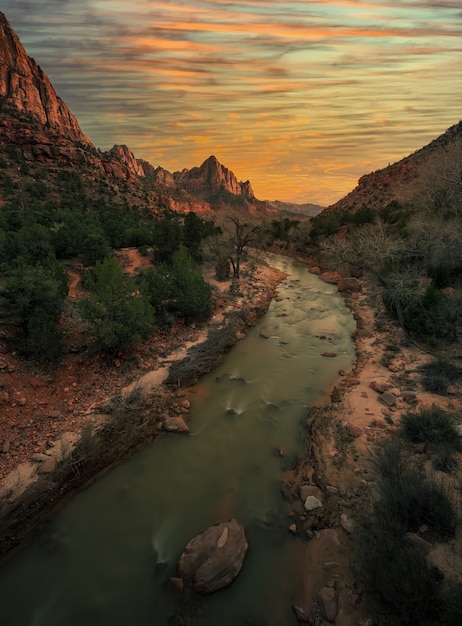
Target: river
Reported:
[(106, 558)]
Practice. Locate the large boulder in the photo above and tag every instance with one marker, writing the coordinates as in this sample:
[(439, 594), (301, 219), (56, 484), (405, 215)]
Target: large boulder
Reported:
[(175, 425), (213, 559)]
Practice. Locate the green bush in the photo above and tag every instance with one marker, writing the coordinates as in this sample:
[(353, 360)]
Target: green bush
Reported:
[(408, 498), (435, 428), (393, 567), (439, 374), (192, 294), (117, 314), (395, 570), (178, 288), (431, 315), (429, 426), (222, 269), (33, 298)]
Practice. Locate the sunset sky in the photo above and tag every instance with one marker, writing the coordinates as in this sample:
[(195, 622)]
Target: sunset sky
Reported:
[(301, 98)]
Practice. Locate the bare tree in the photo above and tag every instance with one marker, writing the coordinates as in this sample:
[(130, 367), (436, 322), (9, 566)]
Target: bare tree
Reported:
[(239, 236), (373, 249)]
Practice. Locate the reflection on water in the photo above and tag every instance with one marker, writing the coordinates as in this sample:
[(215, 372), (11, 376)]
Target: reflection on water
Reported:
[(106, 558)]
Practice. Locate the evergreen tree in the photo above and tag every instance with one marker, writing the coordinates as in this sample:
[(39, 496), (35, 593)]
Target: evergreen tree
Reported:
[(33, 299), (118, 315)]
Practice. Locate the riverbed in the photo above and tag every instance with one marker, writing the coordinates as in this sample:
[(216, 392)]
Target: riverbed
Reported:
[(107, 557)]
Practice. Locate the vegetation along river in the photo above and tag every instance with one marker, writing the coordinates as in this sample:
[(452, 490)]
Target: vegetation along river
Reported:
[(106, 558)]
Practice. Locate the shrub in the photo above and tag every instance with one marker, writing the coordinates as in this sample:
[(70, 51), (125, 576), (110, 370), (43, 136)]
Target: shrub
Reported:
[(408, 498), (192, 294), (429, 426), (392, 566), (431, 315), (117, 314), (438, 374), (396, 571), (436, 429), (33, 298), (179, 288), (222, 269)]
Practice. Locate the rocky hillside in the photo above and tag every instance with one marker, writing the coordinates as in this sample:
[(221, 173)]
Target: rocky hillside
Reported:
[(436, 165), (39, 128)]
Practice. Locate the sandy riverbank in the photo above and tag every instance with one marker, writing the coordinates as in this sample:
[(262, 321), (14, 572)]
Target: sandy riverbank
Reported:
[(366, 408)]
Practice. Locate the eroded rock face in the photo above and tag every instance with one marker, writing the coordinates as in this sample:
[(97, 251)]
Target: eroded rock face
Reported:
[(29, 89), (213, 559), (212, 177)]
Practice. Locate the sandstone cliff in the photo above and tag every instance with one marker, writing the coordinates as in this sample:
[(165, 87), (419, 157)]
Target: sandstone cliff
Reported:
[(28, 88), (212, 178), (125, 156)]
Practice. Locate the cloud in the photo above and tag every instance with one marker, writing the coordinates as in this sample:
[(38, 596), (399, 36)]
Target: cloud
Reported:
[(260, 84)]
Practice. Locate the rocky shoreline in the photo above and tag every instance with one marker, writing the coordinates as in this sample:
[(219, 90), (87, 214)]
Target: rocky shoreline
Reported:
[(334, 479)]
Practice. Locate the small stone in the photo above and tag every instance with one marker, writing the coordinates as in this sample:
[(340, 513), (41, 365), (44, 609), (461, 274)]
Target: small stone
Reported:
[(347, 523), (38, 457), (48, 466), (312, 503), (300, 614), (293, 529), (328, 603), (353, 430), (388, 399), (329, 565), (378, 387), (175, 425), (177, 584), (186, 404)]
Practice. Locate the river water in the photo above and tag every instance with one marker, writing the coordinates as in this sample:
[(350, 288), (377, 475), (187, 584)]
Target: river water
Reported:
[(106, 558)]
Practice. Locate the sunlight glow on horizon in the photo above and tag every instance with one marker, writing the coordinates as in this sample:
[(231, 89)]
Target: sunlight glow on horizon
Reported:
[(300, 98)]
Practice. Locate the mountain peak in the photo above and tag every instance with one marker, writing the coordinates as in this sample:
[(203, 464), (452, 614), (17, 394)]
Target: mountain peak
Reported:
[(28, 88), (213, 178)]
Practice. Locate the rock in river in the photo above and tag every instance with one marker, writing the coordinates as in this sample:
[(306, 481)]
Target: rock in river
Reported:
[(213, 559)]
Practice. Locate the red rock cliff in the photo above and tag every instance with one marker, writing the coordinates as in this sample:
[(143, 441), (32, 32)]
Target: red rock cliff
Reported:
[(29, 89)]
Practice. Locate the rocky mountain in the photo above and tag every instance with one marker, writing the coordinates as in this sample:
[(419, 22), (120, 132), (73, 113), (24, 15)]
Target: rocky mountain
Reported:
[(39, 127), (211, 179), (433, 169)]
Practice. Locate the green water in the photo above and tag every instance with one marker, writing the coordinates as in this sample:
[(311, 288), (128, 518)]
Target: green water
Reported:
[(106, 558)]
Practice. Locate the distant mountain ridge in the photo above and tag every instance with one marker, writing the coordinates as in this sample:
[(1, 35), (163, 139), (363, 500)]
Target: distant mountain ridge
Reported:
[(306, 209)]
